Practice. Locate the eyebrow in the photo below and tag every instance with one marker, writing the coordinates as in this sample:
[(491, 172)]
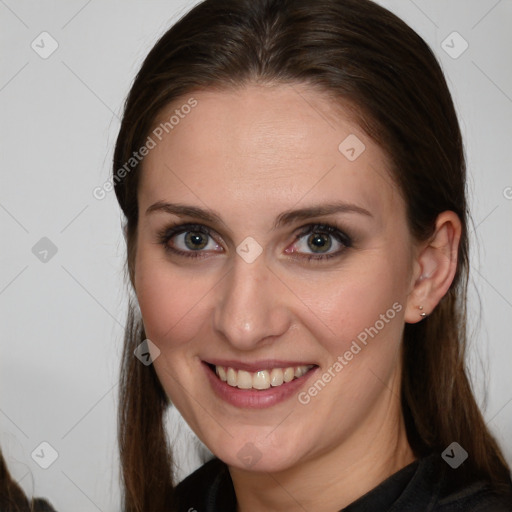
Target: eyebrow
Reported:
[(285, 218)]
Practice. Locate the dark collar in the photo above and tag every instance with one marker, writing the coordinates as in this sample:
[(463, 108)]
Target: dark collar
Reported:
[(425, 485)]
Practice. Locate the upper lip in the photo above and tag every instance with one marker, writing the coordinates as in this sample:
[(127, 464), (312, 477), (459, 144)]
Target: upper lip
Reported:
[(254, 366)]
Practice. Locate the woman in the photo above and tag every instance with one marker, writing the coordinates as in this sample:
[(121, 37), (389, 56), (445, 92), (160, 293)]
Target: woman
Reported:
[(293, 181)]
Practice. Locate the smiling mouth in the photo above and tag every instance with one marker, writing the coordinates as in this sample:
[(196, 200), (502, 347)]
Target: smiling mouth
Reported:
[(262, 379)]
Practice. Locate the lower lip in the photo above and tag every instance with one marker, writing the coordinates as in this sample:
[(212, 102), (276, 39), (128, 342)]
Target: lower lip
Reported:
[(252, 398)]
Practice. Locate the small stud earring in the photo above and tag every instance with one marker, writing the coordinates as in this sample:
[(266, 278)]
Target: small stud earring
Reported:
[(422, 314)]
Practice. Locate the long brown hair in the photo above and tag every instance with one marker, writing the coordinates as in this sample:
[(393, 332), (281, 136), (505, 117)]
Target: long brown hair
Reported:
[(12, 497), (358, 54)]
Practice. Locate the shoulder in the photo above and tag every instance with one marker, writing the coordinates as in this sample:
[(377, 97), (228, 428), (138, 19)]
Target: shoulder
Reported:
[(206, 488), (461, 490), (474, 495), (436, 487)]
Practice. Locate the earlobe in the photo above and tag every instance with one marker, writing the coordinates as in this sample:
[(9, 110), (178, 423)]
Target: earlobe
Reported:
[(435, 268)]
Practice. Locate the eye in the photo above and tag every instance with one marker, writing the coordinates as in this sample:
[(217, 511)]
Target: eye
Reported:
[(314, 242), (190, 240), (320, 241)]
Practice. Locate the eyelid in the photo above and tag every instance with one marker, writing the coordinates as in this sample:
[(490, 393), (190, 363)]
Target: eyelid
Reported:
[(330, 228), (178, 228), (168, 232)]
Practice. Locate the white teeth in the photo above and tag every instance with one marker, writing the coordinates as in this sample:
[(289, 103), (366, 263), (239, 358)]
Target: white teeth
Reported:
[(262, 379), (231, 377), (244, 380), (221, 372), (276, 377), (289, 374)]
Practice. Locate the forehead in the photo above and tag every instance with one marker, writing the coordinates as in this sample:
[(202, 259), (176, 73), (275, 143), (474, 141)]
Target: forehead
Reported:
[(266, 148)]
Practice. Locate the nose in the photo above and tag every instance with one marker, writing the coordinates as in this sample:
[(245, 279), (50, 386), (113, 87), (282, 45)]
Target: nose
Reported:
[(249, 312)]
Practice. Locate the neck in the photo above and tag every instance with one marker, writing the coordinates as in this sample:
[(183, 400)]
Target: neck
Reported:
[(340, 476)]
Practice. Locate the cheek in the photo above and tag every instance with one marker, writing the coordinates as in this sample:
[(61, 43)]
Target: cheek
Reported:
[(171, 302), (361, 348), (356, 314), (353, 297)]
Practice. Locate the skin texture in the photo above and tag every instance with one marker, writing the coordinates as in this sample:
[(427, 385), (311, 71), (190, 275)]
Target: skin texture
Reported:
[(250, 154)]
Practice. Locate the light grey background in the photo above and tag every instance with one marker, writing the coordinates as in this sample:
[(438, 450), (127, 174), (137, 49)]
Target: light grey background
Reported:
[(61, 320)]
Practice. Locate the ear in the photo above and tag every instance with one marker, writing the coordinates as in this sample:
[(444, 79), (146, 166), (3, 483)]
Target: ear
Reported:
[(434, 267)]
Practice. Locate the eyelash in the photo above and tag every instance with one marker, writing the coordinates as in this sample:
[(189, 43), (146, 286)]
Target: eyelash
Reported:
[(169, 232)]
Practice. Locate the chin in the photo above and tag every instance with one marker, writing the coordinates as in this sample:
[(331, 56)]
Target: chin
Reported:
[(258, 455)]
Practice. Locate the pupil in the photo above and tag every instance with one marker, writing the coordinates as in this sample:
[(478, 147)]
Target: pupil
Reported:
[(319, 242), (195, 240)]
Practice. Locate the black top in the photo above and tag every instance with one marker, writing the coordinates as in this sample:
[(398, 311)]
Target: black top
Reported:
[(425, 485)]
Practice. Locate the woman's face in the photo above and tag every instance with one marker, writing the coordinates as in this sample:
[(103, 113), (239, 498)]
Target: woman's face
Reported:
[(295, 253)]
